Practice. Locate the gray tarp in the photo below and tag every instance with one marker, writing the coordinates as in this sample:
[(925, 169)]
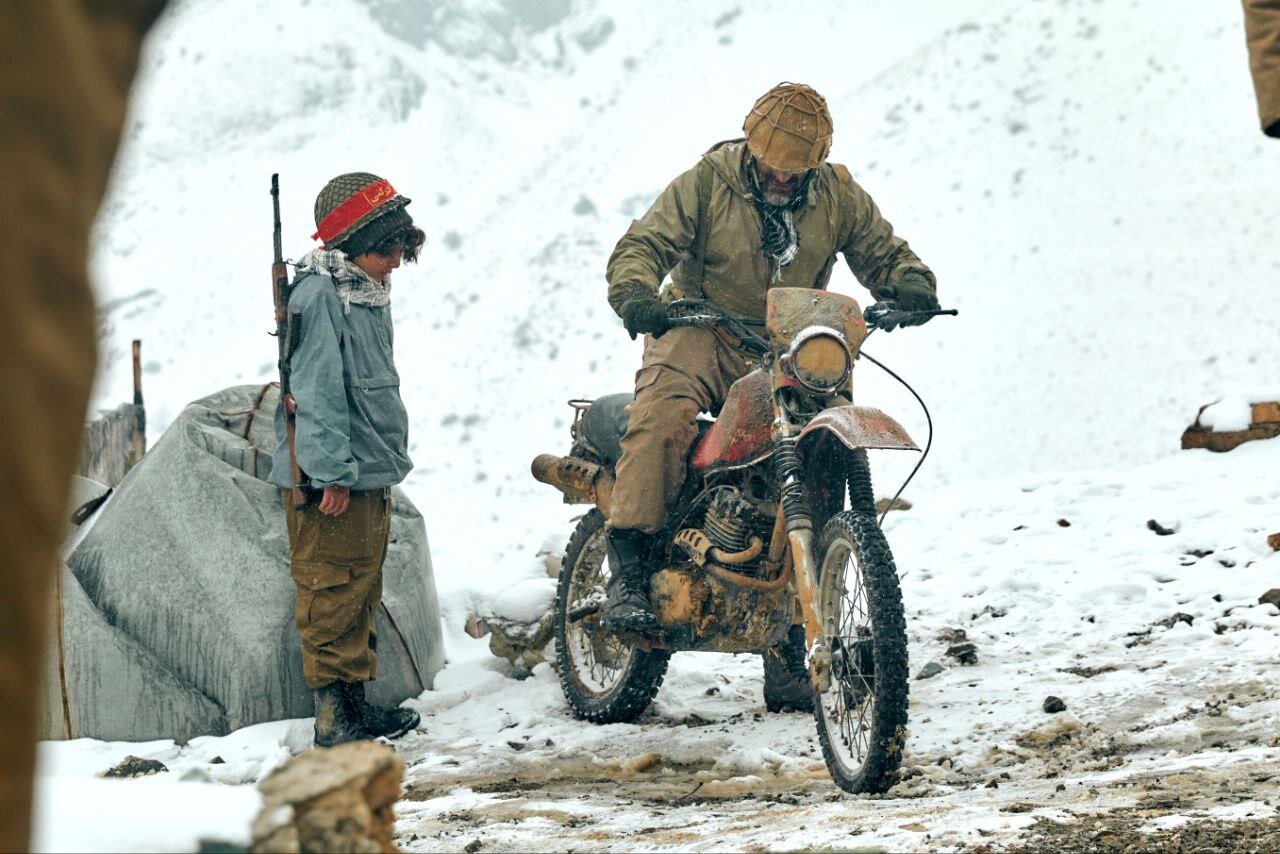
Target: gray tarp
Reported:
[(176, 606)]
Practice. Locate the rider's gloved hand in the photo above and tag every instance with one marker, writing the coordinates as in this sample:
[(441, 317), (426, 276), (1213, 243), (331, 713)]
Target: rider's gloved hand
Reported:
[(913, 293), (644, 313)]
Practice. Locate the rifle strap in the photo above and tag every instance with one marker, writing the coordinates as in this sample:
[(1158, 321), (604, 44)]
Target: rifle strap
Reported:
[(693, 289)]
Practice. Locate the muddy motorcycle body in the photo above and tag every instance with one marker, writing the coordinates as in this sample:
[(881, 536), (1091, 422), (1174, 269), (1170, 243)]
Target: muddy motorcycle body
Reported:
[(775, 527)]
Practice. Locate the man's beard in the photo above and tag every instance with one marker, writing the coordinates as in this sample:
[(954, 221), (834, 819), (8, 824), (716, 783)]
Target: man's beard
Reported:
[(779, 199)]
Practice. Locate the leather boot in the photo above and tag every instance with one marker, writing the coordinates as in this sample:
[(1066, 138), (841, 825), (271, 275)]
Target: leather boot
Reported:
[(628, 608), (382, 723), (786, 679), (337, 720)]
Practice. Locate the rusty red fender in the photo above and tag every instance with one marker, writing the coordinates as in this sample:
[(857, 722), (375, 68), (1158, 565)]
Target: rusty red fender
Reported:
[(861, 427)]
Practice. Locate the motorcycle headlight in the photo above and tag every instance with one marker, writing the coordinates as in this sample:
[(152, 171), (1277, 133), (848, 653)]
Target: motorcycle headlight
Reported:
[(819, 359)]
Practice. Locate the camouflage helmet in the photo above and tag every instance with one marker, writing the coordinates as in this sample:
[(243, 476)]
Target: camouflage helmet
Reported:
[(356, 211), (789, 128)]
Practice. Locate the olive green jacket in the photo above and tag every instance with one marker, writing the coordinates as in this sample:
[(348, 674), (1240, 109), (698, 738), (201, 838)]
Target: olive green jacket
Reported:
[(1262, 29), (837, 217)]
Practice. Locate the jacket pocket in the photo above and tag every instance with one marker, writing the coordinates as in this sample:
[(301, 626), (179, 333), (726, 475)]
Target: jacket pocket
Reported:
[(376, 382), (318, 575), (337, 541)]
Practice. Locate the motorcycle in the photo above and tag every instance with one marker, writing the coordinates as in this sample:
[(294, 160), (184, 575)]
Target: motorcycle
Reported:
[(775, 527)]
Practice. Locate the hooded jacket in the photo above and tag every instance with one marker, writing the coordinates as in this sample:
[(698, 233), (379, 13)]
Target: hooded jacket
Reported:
[(837, 216)]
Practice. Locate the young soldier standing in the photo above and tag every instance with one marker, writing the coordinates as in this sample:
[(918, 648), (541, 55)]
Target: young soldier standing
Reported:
[(351, 446)]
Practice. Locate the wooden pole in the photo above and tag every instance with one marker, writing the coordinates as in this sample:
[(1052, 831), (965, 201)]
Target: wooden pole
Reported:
[(139, 437)]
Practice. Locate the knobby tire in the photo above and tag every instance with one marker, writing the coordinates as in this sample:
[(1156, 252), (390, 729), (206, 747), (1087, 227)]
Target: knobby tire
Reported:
[(639, 677), (886, 720)]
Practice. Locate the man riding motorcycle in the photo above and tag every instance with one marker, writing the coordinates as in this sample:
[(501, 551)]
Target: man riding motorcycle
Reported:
[(755, 213)]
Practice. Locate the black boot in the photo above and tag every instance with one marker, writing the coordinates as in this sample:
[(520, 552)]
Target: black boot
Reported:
[(337, 720), (382, 723), (628, 609), (786, 679)]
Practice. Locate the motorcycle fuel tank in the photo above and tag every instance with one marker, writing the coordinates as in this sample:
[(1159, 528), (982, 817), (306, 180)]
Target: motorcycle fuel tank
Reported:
[(741, 435)]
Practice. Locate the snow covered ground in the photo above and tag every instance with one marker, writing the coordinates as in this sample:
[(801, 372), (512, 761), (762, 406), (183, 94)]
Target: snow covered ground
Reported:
[(1084, 176), (1156, 644)]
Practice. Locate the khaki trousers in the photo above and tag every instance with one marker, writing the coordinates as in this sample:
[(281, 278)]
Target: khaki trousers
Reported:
[(686, 371), (65, 70), (336, 564)]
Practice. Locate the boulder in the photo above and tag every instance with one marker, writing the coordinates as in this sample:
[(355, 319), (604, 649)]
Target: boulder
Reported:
[(174, 608), (1234, 420), (340, 799)]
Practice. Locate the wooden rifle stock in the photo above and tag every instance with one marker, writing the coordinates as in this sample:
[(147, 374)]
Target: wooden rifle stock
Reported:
[(286, 338)]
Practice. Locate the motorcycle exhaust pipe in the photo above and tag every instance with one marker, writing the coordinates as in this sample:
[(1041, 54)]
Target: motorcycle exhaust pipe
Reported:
[(582, 482)]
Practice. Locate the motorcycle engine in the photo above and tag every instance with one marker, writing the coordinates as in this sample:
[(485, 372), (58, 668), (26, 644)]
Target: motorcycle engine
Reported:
[(727, 520)]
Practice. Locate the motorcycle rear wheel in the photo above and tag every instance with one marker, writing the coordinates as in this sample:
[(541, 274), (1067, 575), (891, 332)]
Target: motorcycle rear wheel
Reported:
[(862, 717), (604, 680)]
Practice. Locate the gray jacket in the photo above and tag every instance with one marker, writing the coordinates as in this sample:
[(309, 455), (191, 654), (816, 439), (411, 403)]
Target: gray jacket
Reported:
[(352, 428)]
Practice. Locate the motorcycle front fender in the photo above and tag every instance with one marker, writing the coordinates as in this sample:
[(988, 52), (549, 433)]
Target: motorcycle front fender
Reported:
[(861, 427)]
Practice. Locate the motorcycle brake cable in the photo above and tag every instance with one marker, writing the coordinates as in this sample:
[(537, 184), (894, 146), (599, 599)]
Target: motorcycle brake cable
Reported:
[(928, 420)]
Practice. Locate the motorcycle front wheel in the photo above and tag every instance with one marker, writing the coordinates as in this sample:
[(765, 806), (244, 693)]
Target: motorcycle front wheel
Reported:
[(604, 680), (862, 716)]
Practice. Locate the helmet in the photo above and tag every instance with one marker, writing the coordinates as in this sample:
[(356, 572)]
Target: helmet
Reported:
[(356, 211), (789, 128)]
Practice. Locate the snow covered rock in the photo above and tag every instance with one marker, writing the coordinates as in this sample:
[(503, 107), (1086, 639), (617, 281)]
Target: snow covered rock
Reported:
[(340, 799), (1236, 418), (176, 605), (521, 619)]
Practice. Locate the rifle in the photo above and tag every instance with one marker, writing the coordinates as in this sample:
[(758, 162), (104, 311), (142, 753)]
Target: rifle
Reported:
[(286, 337)]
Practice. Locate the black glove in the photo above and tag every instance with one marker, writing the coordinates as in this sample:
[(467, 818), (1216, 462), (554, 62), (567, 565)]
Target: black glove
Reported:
[(913, 294), (646, 313)]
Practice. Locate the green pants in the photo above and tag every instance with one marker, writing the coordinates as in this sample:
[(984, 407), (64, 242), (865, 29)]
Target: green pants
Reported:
[(336, 563)]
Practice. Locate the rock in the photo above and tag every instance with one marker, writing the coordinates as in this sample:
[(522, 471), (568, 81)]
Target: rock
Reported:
[(929, 671), (134, 766), (1256, 420), (1063, 523), (1161, 530), (521, 623), (1053, 705), (965, 653), (1173, 620), (1271, 597), (339, 799), (882, 505), (1274, 541), (523, 644), (953, 636)]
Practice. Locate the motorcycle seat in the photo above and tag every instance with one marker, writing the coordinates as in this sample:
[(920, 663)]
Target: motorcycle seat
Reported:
[(604, 424)]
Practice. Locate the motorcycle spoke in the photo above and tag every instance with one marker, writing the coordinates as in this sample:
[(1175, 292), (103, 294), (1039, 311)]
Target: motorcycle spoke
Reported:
[(597, 656)]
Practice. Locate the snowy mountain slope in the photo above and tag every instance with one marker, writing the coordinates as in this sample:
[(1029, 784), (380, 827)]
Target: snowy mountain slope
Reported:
[(1083, 176)]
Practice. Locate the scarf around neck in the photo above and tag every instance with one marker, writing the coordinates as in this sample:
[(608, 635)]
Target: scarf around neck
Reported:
[(778, 236), (354, 285)]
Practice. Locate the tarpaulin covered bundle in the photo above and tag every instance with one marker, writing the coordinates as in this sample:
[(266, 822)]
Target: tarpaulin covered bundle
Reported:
[(175, 604)]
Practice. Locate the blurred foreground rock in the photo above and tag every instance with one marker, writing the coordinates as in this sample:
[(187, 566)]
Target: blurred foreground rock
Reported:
[(340, 799)]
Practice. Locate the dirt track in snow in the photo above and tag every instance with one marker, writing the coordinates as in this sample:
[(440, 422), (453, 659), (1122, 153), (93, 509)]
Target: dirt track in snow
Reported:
[(1100, 800)]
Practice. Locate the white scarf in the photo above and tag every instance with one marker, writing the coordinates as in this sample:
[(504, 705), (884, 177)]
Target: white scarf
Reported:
[(354, 285)]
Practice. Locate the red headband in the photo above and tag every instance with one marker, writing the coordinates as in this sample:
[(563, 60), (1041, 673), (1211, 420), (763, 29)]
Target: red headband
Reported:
[(346, 214)]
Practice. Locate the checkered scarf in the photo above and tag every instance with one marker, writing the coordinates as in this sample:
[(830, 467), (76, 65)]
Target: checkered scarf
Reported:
[(354, 285), (778, 236)]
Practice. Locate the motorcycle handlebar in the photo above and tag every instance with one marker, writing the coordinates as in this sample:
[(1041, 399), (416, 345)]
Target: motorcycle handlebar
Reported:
[(886, 316), (700, 313)]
